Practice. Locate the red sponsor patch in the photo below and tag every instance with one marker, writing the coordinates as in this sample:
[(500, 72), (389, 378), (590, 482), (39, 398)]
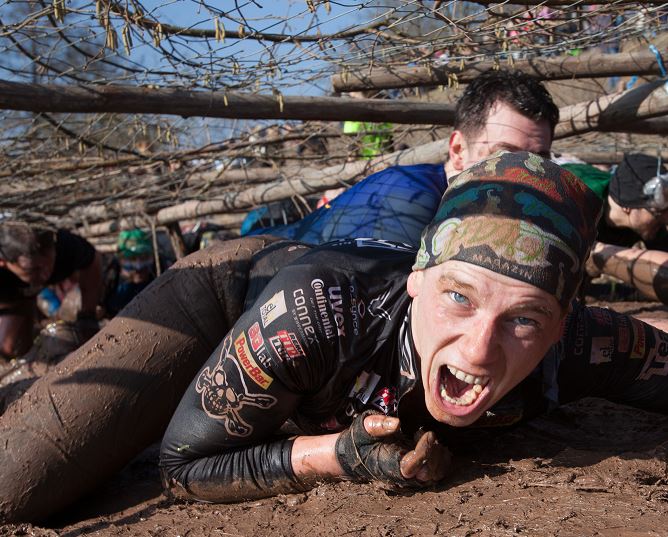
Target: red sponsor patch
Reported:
[(249, 364), (638, 350), (290, 343), (255, 336), (623, 335)]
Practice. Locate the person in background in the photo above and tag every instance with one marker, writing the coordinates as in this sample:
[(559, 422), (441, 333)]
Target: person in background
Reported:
[(498, 110), (370, 139), (31, 258), (632, 239), (135, 270)]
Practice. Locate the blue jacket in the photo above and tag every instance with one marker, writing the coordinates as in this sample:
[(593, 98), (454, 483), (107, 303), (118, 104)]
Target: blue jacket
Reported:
[(394, 204)]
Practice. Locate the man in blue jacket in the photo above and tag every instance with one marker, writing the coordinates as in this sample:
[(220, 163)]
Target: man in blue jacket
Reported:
[(498, 110)]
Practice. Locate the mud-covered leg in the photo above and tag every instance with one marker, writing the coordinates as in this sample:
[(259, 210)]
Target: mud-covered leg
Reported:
[(108, 400)]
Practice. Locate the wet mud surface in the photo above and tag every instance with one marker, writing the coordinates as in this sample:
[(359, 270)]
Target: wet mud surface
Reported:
[(590, 468)]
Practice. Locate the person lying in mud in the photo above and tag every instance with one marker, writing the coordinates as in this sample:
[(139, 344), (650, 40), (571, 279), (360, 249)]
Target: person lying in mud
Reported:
[(32, 257), (368, 348), (635, 211)]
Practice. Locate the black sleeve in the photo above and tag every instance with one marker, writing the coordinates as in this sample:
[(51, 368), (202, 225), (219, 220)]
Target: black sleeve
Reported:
[(72, 253), (221, 444), (614, 356)]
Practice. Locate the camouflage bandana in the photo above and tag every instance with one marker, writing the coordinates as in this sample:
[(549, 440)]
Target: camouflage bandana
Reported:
[(516, 214)]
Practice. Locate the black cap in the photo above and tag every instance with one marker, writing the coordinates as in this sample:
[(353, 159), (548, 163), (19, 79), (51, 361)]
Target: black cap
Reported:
[(626, 185)]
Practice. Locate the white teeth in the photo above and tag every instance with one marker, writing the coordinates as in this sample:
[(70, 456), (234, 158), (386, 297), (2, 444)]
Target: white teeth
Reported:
[(469, 379), (470, 395)]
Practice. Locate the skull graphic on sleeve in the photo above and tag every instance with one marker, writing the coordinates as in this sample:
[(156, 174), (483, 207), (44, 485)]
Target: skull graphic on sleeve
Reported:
[(223, 398)]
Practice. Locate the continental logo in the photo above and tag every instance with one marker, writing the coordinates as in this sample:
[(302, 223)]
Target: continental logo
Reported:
[(249, 364)]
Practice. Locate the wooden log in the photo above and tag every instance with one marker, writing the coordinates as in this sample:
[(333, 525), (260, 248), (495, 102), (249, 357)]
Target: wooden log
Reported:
[(306, 183), (112, 226), (176, 238), (246, 175), (614, 111), (569, 3), (561, 68), (606, 157), (173, 101), (647, 126), (110, 210), (107, 248)]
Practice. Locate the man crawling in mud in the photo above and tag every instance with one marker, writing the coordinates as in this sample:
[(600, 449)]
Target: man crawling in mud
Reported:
[(368, 349)]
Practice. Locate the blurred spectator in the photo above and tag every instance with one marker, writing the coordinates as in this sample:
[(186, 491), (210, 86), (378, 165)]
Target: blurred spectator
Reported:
[(636, 200), (134, 270), (371, 139), (31, 258)]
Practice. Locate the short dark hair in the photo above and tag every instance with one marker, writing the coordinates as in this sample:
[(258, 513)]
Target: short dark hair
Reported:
[(22, 239), (523, 92)]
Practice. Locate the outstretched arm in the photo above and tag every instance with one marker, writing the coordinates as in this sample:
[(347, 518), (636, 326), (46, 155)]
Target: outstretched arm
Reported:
[(614, 356), (646, 270)]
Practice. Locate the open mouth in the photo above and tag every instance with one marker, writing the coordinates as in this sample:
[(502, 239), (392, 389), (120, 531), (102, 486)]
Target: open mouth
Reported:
[(460, 388)]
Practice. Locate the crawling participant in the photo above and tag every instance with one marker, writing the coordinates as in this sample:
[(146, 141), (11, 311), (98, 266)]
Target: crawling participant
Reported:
[(361, 343)]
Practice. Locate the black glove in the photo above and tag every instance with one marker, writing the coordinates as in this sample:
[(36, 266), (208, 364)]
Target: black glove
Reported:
[(381, 458)]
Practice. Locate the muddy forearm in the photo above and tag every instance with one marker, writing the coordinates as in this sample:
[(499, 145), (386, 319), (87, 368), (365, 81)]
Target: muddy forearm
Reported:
[(646, 270), (239, 474)]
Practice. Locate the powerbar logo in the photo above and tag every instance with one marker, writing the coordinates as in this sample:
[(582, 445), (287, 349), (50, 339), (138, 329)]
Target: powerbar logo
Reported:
[(249, 364), (286, 345)]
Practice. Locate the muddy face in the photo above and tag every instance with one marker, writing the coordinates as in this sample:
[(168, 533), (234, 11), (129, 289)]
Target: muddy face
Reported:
[(478, 334)]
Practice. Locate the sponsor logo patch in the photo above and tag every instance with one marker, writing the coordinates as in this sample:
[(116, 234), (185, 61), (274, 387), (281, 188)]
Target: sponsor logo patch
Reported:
[(273, 308), (249, 364), (225, 394), (336, 302), (286, 345), (623, 335), (255, 336), (657, 361), (377, 308), (601, 350), (385, 400), (638, 350)]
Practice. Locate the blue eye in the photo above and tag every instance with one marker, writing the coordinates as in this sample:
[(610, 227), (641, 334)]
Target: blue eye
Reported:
[(458, 297), (525, 321)]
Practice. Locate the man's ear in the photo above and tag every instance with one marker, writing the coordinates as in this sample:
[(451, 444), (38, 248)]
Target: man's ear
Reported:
[(456, 151), (414, 283), (3, 263)]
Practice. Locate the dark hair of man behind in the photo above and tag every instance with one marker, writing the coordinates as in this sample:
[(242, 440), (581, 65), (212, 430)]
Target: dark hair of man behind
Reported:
[(21, 239), (522, 92)]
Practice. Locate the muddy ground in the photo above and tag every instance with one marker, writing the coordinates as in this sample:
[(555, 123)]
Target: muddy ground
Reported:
[(591, 468)]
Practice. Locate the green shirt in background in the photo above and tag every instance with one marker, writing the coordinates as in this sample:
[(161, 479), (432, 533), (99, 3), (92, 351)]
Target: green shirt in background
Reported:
[(597, 180), (376, 138)]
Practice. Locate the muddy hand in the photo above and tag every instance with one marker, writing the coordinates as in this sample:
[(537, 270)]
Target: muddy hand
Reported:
[(428, 463), (371, 449), (380, 426)]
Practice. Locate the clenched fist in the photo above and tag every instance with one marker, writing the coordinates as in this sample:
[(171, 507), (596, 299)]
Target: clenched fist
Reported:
[(373, 448)]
